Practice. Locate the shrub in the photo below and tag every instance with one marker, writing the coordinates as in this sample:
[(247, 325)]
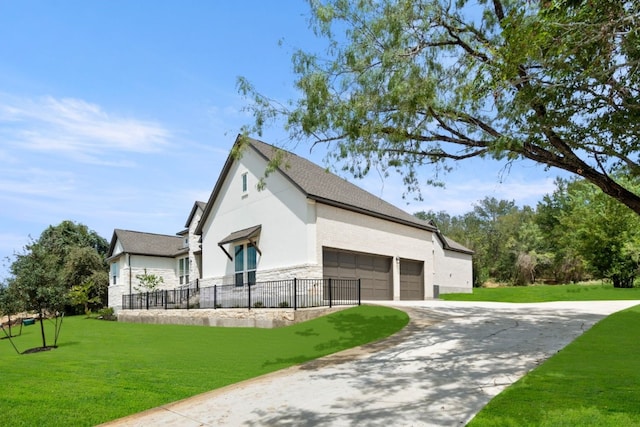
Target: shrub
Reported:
[(107, 313)]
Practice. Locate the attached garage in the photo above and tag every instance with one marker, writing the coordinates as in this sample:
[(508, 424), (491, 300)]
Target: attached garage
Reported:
[(411, 280), (373, 270)]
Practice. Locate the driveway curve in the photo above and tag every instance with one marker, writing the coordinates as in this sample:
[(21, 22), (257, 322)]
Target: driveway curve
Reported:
[(440, 370)]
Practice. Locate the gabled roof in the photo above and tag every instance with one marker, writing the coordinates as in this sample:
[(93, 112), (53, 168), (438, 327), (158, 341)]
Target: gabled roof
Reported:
[(452, 245), (197, 205), (139, 243), (318, 184)]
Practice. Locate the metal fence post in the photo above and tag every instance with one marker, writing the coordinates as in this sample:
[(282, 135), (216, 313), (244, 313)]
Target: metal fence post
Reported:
[(295, 293), (359, 294), (187, 298), (147, 301), (215, 297), (249, 296), (166, 298), (330, 302)]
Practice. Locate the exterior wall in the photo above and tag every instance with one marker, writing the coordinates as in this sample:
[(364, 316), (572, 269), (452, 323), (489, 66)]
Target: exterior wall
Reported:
[(286, 217), (129, 266), (454, 273), (342, 229)]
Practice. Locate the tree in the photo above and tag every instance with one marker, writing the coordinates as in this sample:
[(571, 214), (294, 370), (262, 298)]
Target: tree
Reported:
[(65, 255), (409, 83), (604, 233), (148, 282), (85, 271), (10, 304), (36, 283)]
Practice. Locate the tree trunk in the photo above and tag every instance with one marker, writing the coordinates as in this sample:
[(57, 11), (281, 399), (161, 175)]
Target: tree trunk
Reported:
[(44, 341)]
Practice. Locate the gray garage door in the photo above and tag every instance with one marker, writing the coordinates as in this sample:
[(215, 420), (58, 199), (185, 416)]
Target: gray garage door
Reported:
[(373, 270), (411, 280)]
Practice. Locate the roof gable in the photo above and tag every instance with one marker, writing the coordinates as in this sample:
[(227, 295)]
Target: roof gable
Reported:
[(139, 243), (318, 184), (198, 205)]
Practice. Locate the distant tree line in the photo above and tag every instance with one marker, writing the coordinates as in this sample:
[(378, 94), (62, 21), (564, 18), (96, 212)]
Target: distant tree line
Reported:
[(576, 233)]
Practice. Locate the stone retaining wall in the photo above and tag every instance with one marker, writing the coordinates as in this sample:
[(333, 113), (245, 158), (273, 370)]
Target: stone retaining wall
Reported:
[(228, 317)]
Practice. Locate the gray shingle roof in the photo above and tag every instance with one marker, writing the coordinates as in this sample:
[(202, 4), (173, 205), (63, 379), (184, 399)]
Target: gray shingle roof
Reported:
[(323, 186), (139, 243)]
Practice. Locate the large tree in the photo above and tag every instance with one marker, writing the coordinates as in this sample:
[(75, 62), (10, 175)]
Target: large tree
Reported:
[(409, 83), (66, 255)]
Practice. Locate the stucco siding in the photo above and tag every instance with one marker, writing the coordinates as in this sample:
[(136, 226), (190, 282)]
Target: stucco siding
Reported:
[(342, 229), (280, 208), (454, 270)]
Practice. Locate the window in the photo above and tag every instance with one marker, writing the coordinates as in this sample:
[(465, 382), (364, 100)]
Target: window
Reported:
[(239, 262), (114, 273), (245, 186), (246, 261), (183, 268)]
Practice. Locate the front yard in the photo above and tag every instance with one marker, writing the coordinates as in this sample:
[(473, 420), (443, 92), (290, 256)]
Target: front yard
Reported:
[(106, 370)]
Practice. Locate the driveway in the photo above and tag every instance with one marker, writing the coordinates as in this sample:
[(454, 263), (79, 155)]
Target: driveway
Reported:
[(440, 370)]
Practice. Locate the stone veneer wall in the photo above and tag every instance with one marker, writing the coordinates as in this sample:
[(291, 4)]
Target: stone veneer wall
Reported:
[(258, 318), (306, 271)]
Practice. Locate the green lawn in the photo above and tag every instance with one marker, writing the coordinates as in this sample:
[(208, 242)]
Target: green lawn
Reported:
[(544, 293), (592, 382), (106, 370)]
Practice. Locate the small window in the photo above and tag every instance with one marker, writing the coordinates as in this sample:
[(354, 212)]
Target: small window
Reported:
[(239, 265), (114, 273), (183, 268), (245, 186)]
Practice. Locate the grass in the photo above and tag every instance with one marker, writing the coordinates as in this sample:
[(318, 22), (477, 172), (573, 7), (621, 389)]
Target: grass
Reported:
[(591, 382), (106, 370), (545, 293)]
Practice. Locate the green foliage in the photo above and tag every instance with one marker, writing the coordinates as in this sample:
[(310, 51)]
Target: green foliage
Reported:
[(593, 381), (107, 313), (64, 256), (405, 84), (148, 282), (106, 370)]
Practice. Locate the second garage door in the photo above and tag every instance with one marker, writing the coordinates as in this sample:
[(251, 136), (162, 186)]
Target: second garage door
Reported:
[(373, 270), (411, 280)]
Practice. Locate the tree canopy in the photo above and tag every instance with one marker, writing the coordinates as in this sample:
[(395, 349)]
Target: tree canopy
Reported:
[(410, 83), (64, 256), (576, 233)]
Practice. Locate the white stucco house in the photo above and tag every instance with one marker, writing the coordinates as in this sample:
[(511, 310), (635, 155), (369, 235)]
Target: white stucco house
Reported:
[(300, 221)]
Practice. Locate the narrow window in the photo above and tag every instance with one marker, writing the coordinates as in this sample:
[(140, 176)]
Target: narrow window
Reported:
[(183, 270), (239, 264), (251, 264), (114, 273), (244, 183)]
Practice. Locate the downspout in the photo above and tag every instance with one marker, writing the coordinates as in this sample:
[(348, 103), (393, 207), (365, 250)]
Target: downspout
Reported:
[(130, 290)]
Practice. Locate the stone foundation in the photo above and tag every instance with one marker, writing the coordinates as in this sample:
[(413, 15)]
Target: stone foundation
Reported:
[(227, 317)]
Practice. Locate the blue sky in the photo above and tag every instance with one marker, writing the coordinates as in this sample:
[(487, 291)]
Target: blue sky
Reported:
[(120, 114)]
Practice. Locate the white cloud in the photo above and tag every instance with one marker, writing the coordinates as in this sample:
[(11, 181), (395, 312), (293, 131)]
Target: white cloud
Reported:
[(76, 129)]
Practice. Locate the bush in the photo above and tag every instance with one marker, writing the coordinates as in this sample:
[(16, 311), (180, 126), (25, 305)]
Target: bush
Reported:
[(107, 313), (284, 304)]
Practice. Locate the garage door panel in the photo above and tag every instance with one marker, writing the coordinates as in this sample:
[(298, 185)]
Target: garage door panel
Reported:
[(374, 271), (411, 280)]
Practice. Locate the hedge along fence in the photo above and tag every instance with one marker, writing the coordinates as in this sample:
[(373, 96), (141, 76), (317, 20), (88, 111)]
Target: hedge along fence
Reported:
[(292, 293)]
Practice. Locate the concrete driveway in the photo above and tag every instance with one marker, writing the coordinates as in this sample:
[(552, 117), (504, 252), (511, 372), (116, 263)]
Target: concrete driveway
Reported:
[(439, 371)]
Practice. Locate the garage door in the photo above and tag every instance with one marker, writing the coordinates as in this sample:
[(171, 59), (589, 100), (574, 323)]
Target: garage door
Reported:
[(411, 280), (373, 270)]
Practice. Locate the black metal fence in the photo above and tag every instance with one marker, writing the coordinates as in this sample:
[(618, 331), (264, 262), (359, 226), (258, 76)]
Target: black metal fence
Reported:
[(293, 293)]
